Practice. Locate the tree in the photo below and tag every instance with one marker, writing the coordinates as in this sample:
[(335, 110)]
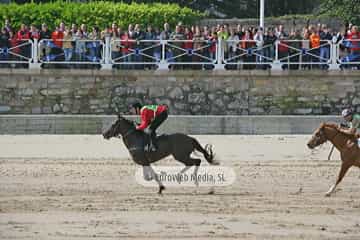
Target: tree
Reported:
[(347, 10), (231, 8)]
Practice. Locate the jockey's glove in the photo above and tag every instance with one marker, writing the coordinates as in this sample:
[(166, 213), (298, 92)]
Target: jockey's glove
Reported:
[(147, 131)]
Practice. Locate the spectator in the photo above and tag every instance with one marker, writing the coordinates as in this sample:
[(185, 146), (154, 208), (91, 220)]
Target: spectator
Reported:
[(325, 41), (198, 40), (259, 41), (67, 45), (315, 45), (165, 34), (283, 45), (56, 52), (280, 32), (125, 47), (74, 28), (131, 32), (80, 45), (305, 57), (84, 32), (105, 33), (23, 37), (57, 37), (14, 43), (223, 35), (7, 26), (114, 29), (44, 36), (34, 33), (232, 42), (4, 44), (62, 27), (177, 36), (188, 45), (354, 38), (269, 44), (295, 44), (115, 43), (44, 32), (240, 31), (94, 47), (247, 43), (213, 39), (149, 45), (23, 33), (139, 36)]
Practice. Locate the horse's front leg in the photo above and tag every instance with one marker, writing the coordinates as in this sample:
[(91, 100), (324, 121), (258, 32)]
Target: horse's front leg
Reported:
[(148, 175), (344, 168), (156, 177)]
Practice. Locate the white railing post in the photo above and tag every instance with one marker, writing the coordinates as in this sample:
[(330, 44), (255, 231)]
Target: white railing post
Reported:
[(219, 56), (107, 63), (276, 65), (163, 64), (34, 63), (333, 57)]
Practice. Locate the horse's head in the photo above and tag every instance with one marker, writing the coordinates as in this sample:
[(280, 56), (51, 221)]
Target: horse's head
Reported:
[(318, 138), (120, 127)]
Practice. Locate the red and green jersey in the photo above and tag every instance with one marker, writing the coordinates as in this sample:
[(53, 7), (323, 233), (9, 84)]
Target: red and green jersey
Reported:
[(148, 113)]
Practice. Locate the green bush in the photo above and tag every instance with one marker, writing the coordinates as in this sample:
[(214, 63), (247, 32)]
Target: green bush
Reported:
[(99, 13)]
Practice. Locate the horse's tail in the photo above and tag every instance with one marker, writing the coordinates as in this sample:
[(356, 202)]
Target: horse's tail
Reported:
[(207, 151)]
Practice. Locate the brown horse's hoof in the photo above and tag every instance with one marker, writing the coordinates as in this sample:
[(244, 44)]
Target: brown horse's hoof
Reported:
[(161, 188)]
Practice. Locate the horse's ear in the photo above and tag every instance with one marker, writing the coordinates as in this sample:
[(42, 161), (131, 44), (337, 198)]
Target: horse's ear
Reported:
[(322, 125)]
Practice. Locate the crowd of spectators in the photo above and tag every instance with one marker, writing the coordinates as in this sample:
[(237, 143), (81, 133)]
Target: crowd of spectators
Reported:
[(309, 45)]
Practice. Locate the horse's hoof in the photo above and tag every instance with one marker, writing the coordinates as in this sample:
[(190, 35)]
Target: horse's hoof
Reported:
[(161, 189), (327, 194)]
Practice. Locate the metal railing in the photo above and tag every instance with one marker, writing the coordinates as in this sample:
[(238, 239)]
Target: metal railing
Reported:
[(347, 53), (168, 54), (17, 51), (77, 51), (246, 52)]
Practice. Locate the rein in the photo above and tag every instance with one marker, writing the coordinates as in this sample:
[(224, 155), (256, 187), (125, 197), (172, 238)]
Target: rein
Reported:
[(128, 132)]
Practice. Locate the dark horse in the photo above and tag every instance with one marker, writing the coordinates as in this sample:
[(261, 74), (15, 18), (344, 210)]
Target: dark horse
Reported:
[(179, 145), (344, 142)]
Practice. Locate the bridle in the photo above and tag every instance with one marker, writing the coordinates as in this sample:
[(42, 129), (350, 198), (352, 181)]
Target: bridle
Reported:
[(127, 133)]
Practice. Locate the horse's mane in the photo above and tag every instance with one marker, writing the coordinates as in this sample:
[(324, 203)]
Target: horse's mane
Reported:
[(336, 127), (330, 125), (128, 121)]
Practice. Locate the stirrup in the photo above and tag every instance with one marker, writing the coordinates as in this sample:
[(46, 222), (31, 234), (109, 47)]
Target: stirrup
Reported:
[(152, 148)]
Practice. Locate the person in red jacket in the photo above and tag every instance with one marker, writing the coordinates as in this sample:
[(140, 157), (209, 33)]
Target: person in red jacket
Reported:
[(354, 38), (152, 116)]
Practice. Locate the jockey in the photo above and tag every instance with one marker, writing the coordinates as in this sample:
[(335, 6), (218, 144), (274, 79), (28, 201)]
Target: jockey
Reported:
[(353, 122), (152, 116)]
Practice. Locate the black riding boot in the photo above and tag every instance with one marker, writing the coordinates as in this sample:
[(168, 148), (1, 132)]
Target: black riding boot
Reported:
[(152, 145)]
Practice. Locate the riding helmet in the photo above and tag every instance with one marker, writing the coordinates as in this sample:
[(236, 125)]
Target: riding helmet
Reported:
[(346, 112)]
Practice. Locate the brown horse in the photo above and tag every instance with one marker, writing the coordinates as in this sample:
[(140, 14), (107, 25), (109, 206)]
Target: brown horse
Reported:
[(344, 142)]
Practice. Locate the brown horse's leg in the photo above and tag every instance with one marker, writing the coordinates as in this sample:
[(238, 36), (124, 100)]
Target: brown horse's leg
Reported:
[(344, 168)]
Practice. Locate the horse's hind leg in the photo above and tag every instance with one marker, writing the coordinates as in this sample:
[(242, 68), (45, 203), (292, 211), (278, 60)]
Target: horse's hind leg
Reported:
[(344, 168), (189, 162)]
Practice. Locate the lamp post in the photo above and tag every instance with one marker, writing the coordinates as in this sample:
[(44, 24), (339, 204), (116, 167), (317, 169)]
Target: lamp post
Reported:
[(262, 10)]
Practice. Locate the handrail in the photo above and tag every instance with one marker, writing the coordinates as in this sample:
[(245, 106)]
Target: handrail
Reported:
[(166, 53)]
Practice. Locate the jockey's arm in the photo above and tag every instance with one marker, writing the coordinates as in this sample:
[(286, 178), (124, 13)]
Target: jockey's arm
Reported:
[(348, 131), (144, 121)]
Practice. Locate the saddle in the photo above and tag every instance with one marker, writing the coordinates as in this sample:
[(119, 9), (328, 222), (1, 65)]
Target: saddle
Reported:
[(148, 147)]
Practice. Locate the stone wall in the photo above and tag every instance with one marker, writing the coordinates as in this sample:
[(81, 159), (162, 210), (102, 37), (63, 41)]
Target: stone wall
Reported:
[(96, 124), (186, 92)]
